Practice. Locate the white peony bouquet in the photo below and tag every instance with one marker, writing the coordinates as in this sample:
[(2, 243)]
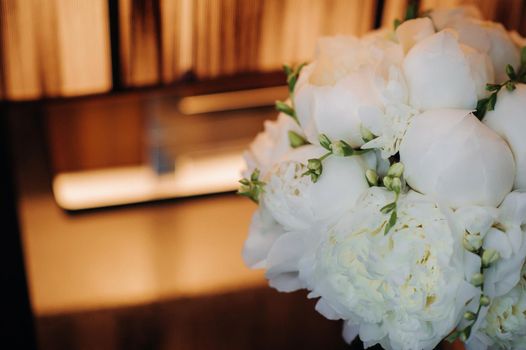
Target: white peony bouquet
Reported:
[(392, 185)]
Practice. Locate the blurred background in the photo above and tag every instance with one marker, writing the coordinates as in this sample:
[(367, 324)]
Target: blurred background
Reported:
[(123, 125)]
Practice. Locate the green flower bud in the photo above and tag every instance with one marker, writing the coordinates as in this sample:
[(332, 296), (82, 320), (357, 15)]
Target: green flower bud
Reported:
[(489, 256), (314, 164), (367, 135), (325, 142), (296, 140), (396, 170), (341, 149), (372, 177), (388, 181), (396, 185), (472, 243), (484, 300), (463, 336), (477, 280), (469, 316)]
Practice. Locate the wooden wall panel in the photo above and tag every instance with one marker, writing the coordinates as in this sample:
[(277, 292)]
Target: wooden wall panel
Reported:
[(212, 38), (54, 48), (96, 133)]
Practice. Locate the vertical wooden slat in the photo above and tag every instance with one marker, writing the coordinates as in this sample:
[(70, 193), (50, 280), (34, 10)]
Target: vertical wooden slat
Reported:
[(54, 48), (393, 9), (84, 51), (20, 66), (140, 48), (177, 18)]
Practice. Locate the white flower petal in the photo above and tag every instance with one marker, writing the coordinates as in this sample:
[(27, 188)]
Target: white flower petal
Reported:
[(476, 165)]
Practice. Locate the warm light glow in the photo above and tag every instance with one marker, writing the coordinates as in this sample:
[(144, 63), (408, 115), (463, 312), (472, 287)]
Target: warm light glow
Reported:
[(123, 185), (232, 100)]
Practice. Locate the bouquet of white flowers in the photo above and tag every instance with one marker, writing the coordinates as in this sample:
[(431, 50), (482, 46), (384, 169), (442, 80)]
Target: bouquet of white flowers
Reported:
[(392, 185)]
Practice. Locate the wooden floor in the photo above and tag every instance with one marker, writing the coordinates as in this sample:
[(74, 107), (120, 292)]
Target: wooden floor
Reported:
[(252, 319)]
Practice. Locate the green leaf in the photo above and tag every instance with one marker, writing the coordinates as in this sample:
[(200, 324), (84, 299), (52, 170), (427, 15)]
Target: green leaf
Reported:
[(523, 56), (510, 71), (287, 70), (288, 110), (491, 102), (396, 23), (251, 188), (360, 151), (453, 336), (391, 222), (285, 108), (296, 140), (493, 87), (293, 75), (386, 209), (482, 106), (325, 142), (255, 175), (412, 10)]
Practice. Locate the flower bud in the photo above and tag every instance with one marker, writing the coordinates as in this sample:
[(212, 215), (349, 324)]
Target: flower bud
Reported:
[(296, 140), (469, 316), (396, 185), (484, 300), (372, 177), (388, 181), (463, 336), (396, 170), (341, 149), (489, 257), (314, 165), (367, 135), (472, 242), (477, 279)]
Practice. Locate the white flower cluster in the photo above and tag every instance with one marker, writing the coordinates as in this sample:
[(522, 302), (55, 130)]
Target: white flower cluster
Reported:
[(392, 185)]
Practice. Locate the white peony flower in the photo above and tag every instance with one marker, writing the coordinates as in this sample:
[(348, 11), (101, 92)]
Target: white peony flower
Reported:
[(517, 39), (486, 37), (283, 261), (262, 234), (475, 222), (413, 31), (508, 119), (404, 290), (389, 123), (297, 203), (442, 18), (450, 155), (508, 238), (270, 145), (330, 91), (442, 73), (504, 326)]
